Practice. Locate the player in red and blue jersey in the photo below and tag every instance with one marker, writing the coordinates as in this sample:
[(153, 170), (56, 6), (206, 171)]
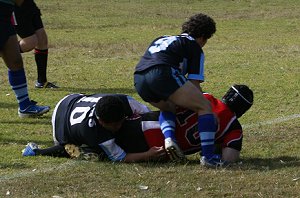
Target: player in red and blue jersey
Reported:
[(229, 136)]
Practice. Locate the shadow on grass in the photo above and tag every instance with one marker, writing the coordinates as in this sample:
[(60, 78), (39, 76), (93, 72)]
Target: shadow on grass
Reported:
[(260, 164), (264, 164)]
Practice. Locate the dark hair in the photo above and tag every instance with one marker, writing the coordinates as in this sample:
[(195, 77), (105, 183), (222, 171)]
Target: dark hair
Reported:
[(199, 25), (110, 109), (239, 99)]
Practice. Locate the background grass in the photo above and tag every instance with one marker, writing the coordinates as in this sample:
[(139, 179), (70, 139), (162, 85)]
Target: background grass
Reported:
[(94, 47)]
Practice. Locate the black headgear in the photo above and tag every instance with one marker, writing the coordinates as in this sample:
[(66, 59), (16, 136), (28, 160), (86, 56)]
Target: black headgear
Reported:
[(239, 99)]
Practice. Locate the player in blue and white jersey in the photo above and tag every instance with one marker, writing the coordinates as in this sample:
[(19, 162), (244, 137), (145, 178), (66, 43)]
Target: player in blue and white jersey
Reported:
[(95, 120), (170, 73)]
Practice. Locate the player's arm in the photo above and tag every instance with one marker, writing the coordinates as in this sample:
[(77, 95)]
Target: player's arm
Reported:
[(116, 154), (232, 142), (152, 153)]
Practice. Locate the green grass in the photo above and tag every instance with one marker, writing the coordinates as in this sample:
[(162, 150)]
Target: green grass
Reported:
[(94, 46)]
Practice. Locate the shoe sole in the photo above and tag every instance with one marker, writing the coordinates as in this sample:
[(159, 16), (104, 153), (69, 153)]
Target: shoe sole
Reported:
[(75, 152), (46, 87), (209, 165), (173, 154)]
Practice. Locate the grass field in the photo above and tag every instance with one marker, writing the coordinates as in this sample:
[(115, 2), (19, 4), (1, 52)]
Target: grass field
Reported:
[(94, 47)]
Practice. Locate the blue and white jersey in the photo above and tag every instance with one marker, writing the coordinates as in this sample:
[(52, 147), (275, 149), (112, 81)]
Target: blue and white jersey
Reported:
[(74, 122), (180, 52)]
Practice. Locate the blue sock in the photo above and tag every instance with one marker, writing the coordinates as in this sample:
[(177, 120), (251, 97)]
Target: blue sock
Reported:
[(17, 80), (207, 126), (167, 124)]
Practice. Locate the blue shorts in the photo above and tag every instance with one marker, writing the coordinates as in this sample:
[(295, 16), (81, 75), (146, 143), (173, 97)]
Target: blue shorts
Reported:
[(6, 27), (158, 83)]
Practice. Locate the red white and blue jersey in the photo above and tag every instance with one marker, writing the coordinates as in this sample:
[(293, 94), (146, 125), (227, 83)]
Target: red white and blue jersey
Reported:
[(74, 122), (181, 52), (229, 133)]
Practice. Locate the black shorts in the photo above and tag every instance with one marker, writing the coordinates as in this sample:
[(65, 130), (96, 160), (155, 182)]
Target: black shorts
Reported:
[(158, 83), (28, 17), (6, 27)]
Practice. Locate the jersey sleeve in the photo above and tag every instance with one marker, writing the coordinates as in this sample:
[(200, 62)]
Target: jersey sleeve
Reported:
[(195, 62), (233, 137), (112, 150), (137, 107)]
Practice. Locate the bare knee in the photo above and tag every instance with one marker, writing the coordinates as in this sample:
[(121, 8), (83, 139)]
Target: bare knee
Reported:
[(29, 43)]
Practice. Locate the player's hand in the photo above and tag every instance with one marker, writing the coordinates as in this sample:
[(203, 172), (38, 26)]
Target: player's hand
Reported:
[(156, 152)]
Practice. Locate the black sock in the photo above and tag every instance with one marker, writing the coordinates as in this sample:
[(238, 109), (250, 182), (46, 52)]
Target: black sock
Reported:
[(41, 59), (54, 151)]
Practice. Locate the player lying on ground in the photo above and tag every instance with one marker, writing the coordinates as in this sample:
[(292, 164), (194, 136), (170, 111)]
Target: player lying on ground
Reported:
[(94, 120), (138, 135)]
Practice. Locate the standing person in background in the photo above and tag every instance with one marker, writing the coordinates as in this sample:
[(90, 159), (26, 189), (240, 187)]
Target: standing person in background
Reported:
[(10, 53), (30, 28), (169, 75)]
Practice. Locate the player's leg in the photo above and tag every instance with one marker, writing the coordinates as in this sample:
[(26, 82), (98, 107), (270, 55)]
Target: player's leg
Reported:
[(32, 149), (31, 29), (17, 79), (189, 96), (167, 121), (231, 143), (28, 43), (155, 86)]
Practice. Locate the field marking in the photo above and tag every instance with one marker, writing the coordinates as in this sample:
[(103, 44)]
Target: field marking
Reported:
[(38, 170), (273, 121), (73, 162)]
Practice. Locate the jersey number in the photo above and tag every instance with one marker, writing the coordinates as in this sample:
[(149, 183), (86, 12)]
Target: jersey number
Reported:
[(161, 44), (79, 113), (189, 125)]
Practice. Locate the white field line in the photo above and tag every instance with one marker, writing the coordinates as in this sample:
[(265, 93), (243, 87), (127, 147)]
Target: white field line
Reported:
[(73, 162), (274, 121), (65, 165)]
